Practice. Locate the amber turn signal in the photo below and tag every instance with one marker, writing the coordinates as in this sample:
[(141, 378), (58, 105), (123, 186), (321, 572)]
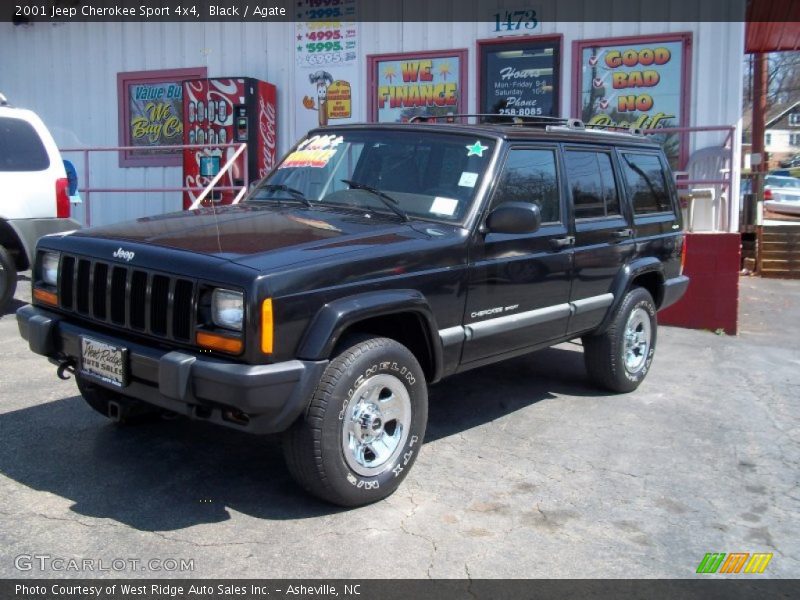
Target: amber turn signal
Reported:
[(222, 343), (267, 330), (45, 297)]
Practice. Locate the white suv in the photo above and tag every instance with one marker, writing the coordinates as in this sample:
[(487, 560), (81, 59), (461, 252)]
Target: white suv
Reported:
[(34, 196)]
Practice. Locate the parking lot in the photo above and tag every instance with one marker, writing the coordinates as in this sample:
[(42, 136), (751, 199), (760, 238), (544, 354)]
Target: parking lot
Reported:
[(527, 471)]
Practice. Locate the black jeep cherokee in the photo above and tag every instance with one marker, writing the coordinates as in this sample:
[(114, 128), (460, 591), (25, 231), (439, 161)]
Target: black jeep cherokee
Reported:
[(373, 261)]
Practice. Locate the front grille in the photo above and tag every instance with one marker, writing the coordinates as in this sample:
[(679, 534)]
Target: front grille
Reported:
[(140, 300)]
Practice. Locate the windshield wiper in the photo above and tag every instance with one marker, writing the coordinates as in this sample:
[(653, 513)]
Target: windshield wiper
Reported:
[(294, 193), (385, 198)]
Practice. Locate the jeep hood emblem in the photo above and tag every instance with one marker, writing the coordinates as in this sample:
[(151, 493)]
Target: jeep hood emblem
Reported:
[(125, 255)]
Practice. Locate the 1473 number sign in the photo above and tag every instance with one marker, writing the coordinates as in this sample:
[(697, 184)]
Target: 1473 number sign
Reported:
[(515, 20)]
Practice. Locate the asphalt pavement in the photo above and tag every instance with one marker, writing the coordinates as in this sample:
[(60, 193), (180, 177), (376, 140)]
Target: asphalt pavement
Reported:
[(527, 471)]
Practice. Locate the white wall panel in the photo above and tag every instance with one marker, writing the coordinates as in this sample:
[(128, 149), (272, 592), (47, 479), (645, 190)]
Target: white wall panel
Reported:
[(67, 73)]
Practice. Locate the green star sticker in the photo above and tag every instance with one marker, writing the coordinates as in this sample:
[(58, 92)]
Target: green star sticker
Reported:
[(476, 149)]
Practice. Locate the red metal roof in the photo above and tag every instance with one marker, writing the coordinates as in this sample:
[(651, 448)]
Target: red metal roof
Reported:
[(772, 25)]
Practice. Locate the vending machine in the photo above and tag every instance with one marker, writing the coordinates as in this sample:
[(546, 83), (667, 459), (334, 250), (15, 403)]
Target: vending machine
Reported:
[(225, 110)]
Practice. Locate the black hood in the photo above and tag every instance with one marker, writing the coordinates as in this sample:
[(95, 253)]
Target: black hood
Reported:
[(242, 232)]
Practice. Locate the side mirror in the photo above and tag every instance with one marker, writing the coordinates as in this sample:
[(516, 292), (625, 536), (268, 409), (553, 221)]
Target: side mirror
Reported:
[(514, 217)]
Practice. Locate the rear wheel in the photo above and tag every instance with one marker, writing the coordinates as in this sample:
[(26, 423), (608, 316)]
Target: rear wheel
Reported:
[(8, 278), (119, 408), (620, 358), (364, 427)]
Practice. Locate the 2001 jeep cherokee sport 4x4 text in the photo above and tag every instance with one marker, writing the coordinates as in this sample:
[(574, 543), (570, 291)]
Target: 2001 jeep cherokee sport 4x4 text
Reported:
[(373, 261)]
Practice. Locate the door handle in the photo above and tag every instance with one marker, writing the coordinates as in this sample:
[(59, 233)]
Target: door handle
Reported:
[(622, 234), (560, 243)]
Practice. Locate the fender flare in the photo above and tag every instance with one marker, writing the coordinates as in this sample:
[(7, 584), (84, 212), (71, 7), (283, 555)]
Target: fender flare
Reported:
[(622, 283), (327, 326)]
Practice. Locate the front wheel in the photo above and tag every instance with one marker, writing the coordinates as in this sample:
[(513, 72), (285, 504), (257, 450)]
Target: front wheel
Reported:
[(620, 358), (364, 427)]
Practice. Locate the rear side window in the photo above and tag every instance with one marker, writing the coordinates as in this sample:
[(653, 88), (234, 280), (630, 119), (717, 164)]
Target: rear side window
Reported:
[(592, 184), (20, 147), (647, 188), (530, 176)]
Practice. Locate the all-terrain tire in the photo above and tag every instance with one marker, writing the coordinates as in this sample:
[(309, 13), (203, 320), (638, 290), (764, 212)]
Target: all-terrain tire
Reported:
[(620, 358), (364, 426), (8, 279)]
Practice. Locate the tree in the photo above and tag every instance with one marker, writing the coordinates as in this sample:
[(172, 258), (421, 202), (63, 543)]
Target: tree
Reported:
[(783, 79)]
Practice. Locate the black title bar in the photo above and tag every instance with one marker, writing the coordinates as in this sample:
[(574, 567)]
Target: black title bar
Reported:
[(26, 12), (402, 589)]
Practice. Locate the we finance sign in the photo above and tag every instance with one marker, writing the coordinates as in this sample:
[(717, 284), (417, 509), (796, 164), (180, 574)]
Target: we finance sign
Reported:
[(409, 85)]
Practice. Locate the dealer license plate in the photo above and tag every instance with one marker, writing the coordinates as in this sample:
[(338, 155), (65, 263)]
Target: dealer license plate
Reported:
[(104, 362)]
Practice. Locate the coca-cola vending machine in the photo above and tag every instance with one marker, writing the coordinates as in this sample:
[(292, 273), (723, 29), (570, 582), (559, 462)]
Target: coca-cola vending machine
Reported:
[(224, 110)]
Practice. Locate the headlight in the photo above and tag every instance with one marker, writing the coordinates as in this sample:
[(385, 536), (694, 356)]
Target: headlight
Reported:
[(227, 309), (50, 268)]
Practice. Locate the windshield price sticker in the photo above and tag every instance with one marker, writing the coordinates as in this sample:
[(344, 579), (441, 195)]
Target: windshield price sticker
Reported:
[(321, 142), (444, 206), (468, 179), (316, 152), (308, 158)]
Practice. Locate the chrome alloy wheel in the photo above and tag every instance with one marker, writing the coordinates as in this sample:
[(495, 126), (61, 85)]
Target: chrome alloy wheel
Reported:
[(375, 426), (637, 340)]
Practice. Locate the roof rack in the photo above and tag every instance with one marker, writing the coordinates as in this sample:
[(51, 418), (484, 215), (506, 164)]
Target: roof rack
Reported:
[(632, 130), (492, 118), (550, 123)]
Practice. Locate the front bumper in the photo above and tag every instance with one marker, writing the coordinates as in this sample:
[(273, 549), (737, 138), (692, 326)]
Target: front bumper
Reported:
[(254, 398)]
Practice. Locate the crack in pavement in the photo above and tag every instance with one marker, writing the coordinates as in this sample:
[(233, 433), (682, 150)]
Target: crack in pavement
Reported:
[(404, 528)]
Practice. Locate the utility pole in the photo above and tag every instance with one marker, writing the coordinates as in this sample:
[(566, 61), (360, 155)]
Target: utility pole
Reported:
[(759, 169)]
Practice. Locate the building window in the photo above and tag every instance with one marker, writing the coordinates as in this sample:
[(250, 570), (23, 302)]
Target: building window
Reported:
[(794, 119), (767, 139), (417, 84), (150, 112), (521, 77), (794, 139)]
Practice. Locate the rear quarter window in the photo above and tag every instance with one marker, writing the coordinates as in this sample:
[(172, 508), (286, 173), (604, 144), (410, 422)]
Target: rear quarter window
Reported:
[(21, 149), (644, 179)]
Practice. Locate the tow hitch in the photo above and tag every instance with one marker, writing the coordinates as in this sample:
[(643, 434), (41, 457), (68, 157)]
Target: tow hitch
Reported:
[(67, 366)]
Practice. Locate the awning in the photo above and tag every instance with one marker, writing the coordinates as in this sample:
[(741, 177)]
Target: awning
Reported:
[(772, 26)]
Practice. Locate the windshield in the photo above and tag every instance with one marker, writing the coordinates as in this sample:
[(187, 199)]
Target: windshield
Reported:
[(782, 182), (429, 175)]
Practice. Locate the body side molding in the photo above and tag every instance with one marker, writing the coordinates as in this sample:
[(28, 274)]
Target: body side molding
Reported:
[(497, 325)]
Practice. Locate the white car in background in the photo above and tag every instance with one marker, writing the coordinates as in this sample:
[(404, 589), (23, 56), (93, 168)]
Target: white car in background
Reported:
[(782, 194), (34, 193)]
